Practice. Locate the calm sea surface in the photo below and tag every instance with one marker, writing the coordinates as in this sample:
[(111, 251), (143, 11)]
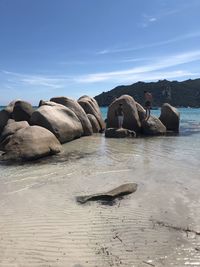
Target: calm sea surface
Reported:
[(41, 224)]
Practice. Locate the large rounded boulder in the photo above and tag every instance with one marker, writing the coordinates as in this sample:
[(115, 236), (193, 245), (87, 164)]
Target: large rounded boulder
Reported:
[(170, 117), (153, 126), (22, 111), (6, 114), (4, 117), (95, 125), (141, 112), (60, 120), (10, 128), (78, 110), (30, 143), (91, 106), (131, 117)]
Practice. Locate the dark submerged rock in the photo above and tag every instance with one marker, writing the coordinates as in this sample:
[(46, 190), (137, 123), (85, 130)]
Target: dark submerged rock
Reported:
[(121, 190), (119, 133)]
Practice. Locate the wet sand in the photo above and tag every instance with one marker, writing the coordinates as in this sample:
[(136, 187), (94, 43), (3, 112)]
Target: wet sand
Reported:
[(41, 224)]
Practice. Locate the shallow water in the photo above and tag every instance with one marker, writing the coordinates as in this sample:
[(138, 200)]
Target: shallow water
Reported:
[(41, 224)]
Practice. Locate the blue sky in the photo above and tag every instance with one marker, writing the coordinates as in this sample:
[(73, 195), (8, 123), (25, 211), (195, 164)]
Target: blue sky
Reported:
[(74, 47)]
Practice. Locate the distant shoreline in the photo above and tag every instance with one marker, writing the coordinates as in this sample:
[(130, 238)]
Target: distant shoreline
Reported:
[(179, 94)]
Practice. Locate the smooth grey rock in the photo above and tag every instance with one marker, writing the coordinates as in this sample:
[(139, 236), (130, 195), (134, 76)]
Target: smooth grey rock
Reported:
[(10, 128), (22, 111), (58, 119), (95, 125), (170, 117), (153, 126), (78, 110), (31, 143), (131, 117), (121, 190), (91, 106)]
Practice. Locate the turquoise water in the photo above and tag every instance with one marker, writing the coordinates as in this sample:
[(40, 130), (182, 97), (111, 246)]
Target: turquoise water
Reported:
[(189, 118)]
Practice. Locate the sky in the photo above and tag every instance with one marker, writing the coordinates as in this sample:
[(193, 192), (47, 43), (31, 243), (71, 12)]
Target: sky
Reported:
[(84, 47)]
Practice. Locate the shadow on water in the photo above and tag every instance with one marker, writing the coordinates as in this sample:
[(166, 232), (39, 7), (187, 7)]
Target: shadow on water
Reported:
[(54, 160)]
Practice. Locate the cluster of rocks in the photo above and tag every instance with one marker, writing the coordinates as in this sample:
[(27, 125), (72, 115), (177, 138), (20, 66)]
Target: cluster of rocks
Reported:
[(27, 133), (135, 124)]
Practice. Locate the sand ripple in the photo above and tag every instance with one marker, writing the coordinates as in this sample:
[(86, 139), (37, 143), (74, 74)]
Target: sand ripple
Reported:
[(41, 224)]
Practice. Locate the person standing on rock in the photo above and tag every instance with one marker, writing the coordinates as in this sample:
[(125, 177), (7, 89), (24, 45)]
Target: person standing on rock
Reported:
[(120, 115), (148, 104)]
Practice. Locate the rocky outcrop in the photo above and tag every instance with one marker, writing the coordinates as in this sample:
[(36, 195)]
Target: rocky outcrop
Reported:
[(78, 110), (60, 120), (131, 117), (95, 125), (170, 117), (119, 133), (11, 128), (22, 111), (30, 143), (90, 106), (153, 126)]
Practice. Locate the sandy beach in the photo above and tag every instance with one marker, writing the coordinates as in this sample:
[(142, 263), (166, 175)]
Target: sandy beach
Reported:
[(41, 224)]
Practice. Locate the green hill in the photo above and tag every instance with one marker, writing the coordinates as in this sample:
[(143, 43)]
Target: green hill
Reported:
[(179, 94)]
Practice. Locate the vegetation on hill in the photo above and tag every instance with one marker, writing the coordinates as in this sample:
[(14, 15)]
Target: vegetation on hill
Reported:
[(179, 94)]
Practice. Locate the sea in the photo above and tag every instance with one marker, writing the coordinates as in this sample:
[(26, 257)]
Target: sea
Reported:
[(42, 224)]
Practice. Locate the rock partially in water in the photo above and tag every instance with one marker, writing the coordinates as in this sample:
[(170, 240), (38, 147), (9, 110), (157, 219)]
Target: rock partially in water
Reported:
[(119, 133), (58, 119), (153, 126), (10, 128), (95, 125), (131, 117), (78, 110), (170, 117), (30, 143), (91, 106), (121, 190)]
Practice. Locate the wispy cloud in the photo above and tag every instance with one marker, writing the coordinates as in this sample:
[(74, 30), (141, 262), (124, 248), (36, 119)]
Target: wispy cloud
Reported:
[(158, 69), (135, 48), (162, 13), (163, 63), (55, 82)]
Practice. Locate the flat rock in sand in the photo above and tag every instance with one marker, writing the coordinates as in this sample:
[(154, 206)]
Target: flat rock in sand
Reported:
[(121, 190)]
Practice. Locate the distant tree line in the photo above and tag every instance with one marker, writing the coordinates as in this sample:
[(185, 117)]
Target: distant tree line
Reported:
[(179, 94)]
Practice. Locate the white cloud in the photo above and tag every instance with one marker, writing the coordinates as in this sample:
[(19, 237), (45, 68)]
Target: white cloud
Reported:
[(152, 19)]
